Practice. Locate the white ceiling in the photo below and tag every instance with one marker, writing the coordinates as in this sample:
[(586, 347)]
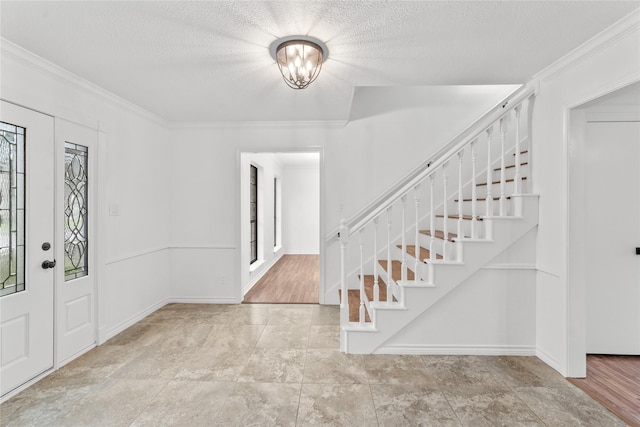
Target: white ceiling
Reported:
[(209, 60)]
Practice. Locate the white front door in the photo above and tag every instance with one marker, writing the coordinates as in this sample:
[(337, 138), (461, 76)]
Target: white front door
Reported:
[(26, 231)]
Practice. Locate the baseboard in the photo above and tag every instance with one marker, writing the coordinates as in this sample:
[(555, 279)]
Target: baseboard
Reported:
[(549, 360), (202, 300), (246, 288), (104, 335), (460, 350), (304, 252)]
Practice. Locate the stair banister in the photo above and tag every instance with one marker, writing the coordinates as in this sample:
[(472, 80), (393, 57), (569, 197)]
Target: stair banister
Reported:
[(517, 177), (417, 233), (376, 284), (380, 204), (445, 216), (344, 299), (474, 191), (489, 194), (503, 137)]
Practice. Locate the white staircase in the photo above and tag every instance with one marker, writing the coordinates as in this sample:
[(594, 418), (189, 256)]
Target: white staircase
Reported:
[(465, 208)]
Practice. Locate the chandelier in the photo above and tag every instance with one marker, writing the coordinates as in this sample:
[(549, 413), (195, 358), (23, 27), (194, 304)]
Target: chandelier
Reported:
[(299, 59)]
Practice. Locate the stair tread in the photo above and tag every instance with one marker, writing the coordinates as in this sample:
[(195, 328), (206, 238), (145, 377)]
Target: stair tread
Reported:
[(439, 234), (512, 166), (464, 217), (396, 270), (424, 253), (353, 296), (498, 182), (480, 199)]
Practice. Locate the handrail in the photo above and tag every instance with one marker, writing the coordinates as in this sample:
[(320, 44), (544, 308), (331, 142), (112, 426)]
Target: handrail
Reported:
[(501, 109)]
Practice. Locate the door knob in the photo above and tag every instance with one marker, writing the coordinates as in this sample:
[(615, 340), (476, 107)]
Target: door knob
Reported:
[(48, 264)]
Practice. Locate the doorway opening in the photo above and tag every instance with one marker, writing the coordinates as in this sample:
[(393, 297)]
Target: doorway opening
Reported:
[(604, 232), (281, 244)]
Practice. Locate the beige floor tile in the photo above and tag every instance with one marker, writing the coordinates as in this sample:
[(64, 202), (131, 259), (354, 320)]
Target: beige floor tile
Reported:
[(213, 364), (522, 371), (322, 336), (234, 336), (462, 370), (326, 315), (284, 336), (114, 403), (185, 403), (396, 369), (412, 405), (489, 406), (260, 405), (330, 366), (98, 364), (291, 315), (566, 406), (45, 403), (336, 405), (155, 363), (274, 365)]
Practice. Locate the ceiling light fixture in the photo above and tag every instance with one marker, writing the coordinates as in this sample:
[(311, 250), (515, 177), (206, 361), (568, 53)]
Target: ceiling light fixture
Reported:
[(299, 59)]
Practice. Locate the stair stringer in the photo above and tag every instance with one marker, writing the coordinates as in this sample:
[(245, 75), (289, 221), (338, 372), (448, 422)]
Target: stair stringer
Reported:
[(418, 298)]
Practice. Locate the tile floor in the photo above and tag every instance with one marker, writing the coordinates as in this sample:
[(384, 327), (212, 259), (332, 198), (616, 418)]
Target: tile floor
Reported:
[(262, 365)]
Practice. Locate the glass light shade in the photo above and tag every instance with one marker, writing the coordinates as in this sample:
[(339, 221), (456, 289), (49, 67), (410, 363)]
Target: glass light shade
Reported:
[(300, 62)]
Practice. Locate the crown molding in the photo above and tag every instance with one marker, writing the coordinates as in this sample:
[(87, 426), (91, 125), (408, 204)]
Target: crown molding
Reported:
[(293, 124), (610, 35), (8, 49)]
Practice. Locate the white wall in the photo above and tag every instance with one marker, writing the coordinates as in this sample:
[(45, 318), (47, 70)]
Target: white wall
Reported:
[(301, 209), (607, 63), (133, 167)]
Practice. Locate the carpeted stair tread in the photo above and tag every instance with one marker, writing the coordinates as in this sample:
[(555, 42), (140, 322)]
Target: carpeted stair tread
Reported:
[(439, 234), (396, 270), (424, 253)]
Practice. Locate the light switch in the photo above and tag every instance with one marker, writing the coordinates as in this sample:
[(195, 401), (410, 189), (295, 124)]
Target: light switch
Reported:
[(114, 209)]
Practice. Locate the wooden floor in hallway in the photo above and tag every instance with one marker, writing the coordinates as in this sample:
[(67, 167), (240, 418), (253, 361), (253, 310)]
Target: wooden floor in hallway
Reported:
[(294, 279), (614, 381)]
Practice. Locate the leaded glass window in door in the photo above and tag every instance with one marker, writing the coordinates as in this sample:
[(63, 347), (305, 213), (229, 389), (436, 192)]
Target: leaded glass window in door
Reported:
[(75, 211), (12, 208)]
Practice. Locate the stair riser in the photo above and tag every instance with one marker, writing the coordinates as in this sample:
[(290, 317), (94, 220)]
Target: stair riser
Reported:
[(510, 173), (452, 226), (509, 189), (481, 207)]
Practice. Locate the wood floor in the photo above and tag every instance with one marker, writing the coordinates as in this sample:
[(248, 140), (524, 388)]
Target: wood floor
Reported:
[(614, 381), (293, 279)]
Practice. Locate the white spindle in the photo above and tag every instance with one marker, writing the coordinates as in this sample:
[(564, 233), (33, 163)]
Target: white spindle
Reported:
[(489, 195), (417, 235), (503, 136), (474, 192), (432, 218), (362, 308), (445, 228), (389, 263), (460, 198), (517, 177), (403, 266), (344, 300), (376, 284)]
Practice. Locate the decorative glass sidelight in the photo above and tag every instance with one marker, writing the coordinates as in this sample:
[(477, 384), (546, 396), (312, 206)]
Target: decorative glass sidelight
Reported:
[(75, 211), (12, 208), (253, 213)]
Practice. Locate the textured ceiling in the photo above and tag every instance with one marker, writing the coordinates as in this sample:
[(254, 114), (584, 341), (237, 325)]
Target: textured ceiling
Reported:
[(209, 60)]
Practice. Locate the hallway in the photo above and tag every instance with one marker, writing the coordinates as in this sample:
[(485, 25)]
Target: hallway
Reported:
[(264, 365), (293, 279)]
